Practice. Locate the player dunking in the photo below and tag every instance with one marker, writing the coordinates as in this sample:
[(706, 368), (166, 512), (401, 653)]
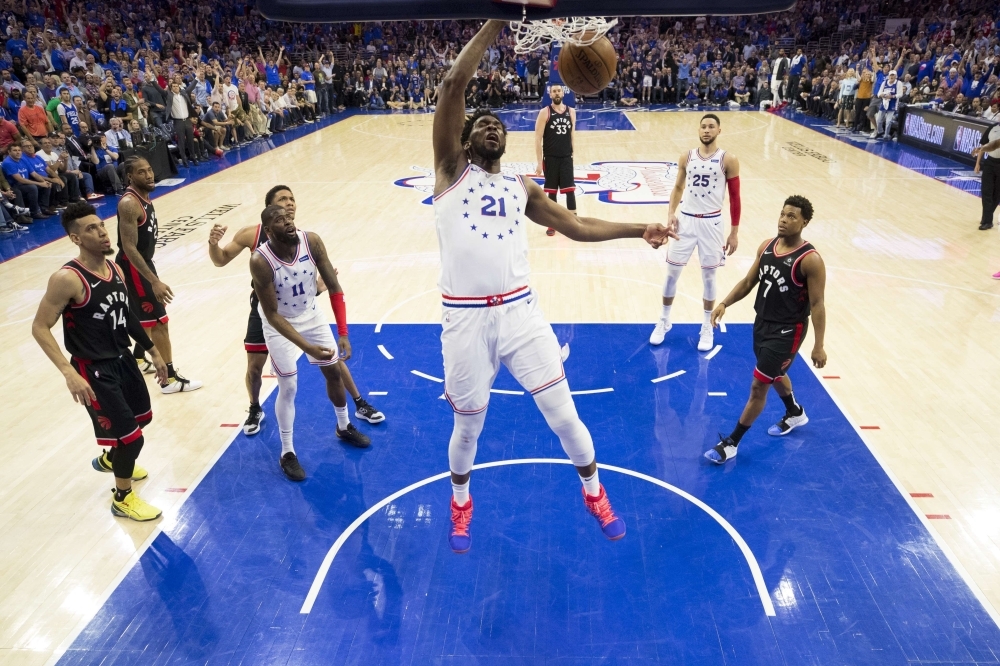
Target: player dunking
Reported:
[(89, 293), (285, 270), (703, 176), (490, 314), (792, 280), (554, 149), (137, 233), (249, 237)]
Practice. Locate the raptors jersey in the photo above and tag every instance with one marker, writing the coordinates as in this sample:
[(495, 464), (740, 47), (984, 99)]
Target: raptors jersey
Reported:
[(97, 329), (295, 282), (557, 140), (481, 232), (705, 187), (783, 292), (147, 229)]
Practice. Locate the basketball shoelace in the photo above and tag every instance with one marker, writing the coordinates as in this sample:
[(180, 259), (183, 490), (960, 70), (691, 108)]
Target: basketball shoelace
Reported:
[(460, 519), (601, 509)]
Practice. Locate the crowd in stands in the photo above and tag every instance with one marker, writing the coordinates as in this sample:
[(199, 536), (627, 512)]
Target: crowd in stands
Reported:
[(82, 85)]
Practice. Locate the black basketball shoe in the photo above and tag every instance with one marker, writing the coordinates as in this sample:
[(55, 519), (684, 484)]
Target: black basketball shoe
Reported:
[(291, 467), (354, 437), (367, 412), (252, 425)]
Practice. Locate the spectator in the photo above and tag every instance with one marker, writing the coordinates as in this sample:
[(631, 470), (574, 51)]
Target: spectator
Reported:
[(31, 189), (106, 162), (33, 118), (889, 94), (117, 137)]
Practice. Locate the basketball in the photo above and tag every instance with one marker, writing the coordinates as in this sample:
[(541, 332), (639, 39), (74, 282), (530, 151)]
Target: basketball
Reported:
[(587, 70)]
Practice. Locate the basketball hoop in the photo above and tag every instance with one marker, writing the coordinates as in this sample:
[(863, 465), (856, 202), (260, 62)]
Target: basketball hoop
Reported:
[(583, 31)]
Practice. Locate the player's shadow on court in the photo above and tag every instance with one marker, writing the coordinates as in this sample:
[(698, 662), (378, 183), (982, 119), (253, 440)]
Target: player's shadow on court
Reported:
[(175, 577)]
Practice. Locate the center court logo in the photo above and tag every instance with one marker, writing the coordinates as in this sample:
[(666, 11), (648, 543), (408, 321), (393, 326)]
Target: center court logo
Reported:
[(612, 182)]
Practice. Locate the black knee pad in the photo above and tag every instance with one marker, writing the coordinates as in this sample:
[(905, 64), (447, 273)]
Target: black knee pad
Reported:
[(571, 201), (123, 458)]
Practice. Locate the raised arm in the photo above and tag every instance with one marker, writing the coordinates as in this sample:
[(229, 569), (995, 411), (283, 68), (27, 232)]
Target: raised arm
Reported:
[(263, 285), (814, 271), (741, 289), (543, 211), (330, 280), (129, 212), (449, 117), (243, 240)]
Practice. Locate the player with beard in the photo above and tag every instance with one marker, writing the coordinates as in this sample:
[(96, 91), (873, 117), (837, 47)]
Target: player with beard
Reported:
[(137, 235), (703, 176), (285, 271), (249, 237), (792, 279), (90, 295), (490, 314), (554, 149)]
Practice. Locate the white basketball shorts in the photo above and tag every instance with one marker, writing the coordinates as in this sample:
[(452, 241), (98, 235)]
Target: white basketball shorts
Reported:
[(705, 233), (476, 340), (285, 355)]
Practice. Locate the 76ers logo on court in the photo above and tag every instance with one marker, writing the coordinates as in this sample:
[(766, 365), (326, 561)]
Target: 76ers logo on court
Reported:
[(612, 182)]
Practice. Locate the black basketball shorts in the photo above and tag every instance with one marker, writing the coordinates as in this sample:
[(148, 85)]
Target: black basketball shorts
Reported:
[(558, 175), (254, 341), (146, 308), (122, 404), (775, 346)]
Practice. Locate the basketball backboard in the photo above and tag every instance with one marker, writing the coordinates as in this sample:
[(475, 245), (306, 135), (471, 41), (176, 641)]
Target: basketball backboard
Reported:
[(327, 11)]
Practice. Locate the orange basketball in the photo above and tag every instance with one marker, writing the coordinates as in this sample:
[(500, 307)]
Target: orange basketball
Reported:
[(587, 70)]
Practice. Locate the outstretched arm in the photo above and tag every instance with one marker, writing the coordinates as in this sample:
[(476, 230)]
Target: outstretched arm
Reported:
[(263, 285), (329, 275), (243, 240), (545, 212), (449, 117), (741, 289)]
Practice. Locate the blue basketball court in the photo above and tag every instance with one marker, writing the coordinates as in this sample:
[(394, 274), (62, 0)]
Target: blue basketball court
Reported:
[(801, 551)]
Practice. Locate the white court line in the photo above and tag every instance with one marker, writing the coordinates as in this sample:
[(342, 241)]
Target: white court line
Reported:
[(378, 393), (84, 621), (592, 391), (503, 392), (717, 394), (755, 571), (670, 376), (722, 326), (378, 326), (712, 353), (420, 374), (938, 539), (385, 352)]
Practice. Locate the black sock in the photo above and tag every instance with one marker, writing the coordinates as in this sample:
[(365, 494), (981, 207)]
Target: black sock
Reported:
[(358, 400), (738, 432), (170, 369), (791, 407), (121, 494)]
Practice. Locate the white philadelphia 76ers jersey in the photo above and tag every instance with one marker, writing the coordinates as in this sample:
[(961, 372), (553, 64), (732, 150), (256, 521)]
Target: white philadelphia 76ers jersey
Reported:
[(481, 232), (705, 188), (295, 282)]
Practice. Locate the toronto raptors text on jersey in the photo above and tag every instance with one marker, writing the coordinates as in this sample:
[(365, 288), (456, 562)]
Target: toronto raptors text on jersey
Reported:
[(705, 185), (295, 282), (783, 292), (557, 140), (481, 233), (96, 329), (147, 228)]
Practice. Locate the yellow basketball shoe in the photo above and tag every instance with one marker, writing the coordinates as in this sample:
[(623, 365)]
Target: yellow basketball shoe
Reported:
[(134, 507), (102, 464)]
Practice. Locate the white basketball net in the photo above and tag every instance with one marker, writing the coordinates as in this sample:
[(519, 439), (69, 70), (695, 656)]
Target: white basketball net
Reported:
[(583, 31)]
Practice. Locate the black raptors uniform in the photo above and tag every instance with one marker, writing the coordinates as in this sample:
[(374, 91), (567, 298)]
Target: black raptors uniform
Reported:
[(782, 307), (148, 310), (254, 341), (96, 334), (557, 152)]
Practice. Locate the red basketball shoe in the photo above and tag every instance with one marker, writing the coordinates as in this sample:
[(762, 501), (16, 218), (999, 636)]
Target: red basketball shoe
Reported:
[(460, 540), (600, 508)]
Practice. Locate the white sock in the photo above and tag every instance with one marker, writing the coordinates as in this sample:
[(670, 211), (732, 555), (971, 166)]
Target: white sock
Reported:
[(665, 315), (342, 420), (708, 318), (286, 442), (460, 491), (591, 484)]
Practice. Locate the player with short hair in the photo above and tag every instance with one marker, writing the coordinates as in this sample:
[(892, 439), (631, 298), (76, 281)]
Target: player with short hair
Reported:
[(250, 237), (285, 272), (792, 282), (703, 176), (137, 235), (91, 296), (490, 314), (554, 149)]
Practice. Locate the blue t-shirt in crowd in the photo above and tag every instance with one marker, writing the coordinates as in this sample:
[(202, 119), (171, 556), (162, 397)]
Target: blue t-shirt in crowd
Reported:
[(19, 167), (272, 74), (308, 80), (37, 164)]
